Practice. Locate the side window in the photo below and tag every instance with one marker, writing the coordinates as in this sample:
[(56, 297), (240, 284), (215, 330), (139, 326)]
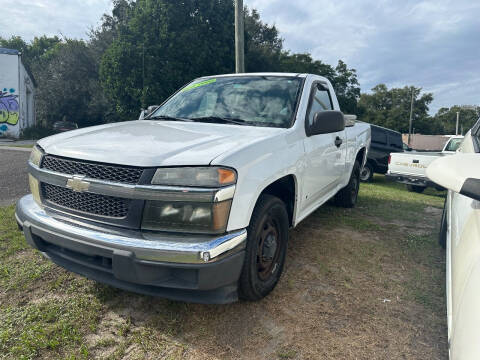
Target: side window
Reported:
[(453, 144), (320, 101), (395, 141), (378, 136)]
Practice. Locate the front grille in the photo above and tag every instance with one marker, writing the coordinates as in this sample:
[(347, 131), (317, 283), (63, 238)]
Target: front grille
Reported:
[(115, 173), (95, 204)]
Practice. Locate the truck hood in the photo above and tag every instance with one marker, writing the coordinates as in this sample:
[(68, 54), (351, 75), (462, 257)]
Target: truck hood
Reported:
[(154, 143)]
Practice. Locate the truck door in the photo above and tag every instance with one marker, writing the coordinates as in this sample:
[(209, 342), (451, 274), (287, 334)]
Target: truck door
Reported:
[(325, 153)]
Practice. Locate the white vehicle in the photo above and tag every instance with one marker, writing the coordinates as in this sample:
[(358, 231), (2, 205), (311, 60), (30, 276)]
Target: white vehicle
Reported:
[(195, 202), (460, 233), (409, 167)]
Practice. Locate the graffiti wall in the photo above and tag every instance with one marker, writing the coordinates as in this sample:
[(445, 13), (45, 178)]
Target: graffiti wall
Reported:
[(9, 109), (17, 95), (9, 95)]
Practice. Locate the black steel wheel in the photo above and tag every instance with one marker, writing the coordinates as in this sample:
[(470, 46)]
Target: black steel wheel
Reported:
[(347, 197), (266, 248)]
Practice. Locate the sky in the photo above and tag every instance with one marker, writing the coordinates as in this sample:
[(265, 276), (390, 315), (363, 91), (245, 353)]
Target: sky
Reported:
[(434, 45)]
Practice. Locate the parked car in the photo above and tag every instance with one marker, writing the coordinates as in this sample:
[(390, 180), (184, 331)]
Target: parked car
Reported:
[(409, 167), (62, 126), (195, 202), (460, 234), (384, 142)]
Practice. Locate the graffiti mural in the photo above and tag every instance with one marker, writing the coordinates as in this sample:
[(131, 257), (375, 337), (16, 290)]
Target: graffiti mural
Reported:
[(9, 109)]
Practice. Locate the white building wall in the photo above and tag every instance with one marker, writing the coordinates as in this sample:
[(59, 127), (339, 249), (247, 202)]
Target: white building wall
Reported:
[(9, 94), (26, 99), (17, 91)]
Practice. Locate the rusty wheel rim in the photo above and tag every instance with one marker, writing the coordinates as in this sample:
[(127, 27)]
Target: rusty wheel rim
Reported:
[(268, 248)]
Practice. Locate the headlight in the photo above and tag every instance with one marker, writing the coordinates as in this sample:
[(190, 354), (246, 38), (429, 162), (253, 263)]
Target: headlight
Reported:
[(34, 188), (35, 159), (195, 217), (211, 176), (36, 156), (191, 215)]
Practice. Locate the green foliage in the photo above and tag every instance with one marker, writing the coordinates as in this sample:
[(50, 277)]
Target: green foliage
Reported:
[(146, 49), (391, 108), (160, 45), (36, 132), (69, 85), (66, 75), (447, 118), (163, 45), (32, 52)]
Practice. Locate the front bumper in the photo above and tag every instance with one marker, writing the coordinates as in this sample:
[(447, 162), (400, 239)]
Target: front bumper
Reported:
[(151, 263)]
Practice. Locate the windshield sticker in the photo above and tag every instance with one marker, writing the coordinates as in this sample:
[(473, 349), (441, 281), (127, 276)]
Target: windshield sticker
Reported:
[(201, 83)]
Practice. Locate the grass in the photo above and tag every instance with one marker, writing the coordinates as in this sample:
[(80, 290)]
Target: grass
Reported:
[(20, 146), (359, 283)]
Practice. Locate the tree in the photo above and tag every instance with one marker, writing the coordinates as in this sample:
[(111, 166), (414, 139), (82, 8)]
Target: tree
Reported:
[(33, 52), (146, 49), (391, 109), (157, 46), (447, 118), (346, 87), (163, 45), (69, 85)]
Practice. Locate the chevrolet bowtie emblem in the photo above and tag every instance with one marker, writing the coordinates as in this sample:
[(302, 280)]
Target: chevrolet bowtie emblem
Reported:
[(77, 184)]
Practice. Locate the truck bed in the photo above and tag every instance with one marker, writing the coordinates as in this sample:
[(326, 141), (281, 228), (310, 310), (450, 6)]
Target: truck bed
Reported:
[(412, 164)]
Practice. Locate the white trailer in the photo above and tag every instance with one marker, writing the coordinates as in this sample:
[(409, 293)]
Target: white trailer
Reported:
[(17, 91)]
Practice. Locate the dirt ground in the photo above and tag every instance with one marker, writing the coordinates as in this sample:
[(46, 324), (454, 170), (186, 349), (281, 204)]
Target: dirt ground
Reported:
[(366, 283)]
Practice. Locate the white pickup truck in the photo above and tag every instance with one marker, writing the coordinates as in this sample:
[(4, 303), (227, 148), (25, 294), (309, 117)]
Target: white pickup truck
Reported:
[(409, 167), (194, 203)]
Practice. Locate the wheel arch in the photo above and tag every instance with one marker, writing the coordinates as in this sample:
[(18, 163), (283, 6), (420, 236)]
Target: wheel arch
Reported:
[(362, 156), (286, 189)]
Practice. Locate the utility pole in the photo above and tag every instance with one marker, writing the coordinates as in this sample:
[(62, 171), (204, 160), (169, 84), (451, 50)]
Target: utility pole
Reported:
[(410, 121), (239, 37), (458, 120)]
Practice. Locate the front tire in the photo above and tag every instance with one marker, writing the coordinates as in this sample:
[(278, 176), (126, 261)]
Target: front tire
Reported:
[(347, 197), (416, 188), (266, 248)]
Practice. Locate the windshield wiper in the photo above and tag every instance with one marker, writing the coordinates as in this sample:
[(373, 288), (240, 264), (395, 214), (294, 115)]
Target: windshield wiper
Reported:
[(219, 119), (168, 118)]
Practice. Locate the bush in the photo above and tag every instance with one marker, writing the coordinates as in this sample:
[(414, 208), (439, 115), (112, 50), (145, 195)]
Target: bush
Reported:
[(36, 132)]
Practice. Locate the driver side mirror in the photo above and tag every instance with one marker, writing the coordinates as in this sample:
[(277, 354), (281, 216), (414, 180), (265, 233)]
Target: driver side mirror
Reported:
[(147, 111), (325, 122), (150, 109), (459, 173)]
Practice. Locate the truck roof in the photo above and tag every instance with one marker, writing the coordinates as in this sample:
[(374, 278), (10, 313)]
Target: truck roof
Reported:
[(384, 128), (301, 75)]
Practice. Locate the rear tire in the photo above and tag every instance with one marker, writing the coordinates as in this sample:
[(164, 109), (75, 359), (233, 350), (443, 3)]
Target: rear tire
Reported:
[(416, 188), (366, 175), (442, 236), (347, 197), (266, 248)]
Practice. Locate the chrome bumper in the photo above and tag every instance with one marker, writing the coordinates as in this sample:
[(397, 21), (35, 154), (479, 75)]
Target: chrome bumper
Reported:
[(149, 246)]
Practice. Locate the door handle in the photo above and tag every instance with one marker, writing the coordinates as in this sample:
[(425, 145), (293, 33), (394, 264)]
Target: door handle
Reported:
[(338, 141)]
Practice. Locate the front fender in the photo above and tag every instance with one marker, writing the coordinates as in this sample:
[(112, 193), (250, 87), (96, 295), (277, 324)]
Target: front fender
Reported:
[(258, 166)]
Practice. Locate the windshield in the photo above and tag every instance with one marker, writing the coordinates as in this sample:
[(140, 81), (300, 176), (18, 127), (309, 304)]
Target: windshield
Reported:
[(453, 144), (252, 100)]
